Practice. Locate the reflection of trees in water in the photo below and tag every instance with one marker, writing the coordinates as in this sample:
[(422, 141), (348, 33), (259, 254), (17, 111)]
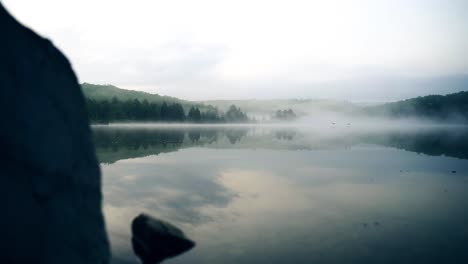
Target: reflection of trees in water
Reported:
[(114, 144), (285, 134), (235, 135), (210, 135), (134, 139), (194, 135), (435, 143)]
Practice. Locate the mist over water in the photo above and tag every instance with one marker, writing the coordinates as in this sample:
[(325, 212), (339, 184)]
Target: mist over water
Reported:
[(354, 150), (301, 192)]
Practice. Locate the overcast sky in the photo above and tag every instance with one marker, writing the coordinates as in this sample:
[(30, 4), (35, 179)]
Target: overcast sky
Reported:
[(355, 50)]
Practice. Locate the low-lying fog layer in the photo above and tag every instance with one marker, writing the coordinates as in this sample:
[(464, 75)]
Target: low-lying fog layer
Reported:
[(319, 122)]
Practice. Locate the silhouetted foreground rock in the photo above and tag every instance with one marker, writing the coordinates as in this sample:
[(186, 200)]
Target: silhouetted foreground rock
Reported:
[(50, 186), (154, 240)]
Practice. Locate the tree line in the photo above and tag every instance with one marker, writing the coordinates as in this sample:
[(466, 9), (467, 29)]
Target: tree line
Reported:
[(285, 114), (115, 110), (451, 107)]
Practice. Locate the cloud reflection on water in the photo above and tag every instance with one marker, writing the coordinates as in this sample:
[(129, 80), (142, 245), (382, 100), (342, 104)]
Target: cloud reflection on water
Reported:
[(274, 199)]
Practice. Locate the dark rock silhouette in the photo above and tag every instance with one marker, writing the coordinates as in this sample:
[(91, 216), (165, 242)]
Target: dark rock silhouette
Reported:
[(49, 177), (154, 240)]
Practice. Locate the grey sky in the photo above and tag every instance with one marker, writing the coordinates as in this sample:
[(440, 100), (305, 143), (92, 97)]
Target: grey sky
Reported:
[(209, 49)]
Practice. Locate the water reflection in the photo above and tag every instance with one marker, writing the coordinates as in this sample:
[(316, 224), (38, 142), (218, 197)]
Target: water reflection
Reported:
[(285, 134), (115, 143), (267, 195), (451, 143)]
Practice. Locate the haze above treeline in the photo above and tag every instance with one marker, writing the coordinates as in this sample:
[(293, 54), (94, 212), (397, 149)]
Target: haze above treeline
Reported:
[(108, 103)]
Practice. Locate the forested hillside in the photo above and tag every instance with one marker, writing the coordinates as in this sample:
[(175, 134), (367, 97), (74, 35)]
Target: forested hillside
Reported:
[(103, 92), (107, 103), (436, 107), (107, 92), (115, 110)]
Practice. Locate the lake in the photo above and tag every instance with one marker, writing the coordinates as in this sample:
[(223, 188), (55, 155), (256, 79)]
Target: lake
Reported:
[(338, 193)]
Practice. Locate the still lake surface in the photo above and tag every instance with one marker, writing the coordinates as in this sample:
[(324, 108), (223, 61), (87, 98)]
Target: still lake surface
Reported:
[(291, 194)]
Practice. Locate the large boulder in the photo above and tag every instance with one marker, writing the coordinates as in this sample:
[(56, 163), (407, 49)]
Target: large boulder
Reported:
[(154, 240), (50, 183)]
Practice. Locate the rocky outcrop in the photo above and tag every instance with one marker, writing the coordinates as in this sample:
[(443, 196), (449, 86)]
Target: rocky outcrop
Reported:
[(50, 187)]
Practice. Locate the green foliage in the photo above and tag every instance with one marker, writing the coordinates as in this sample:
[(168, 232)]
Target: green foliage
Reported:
[(235, 114), (438, 107), (132, 110), (194, 115), (104, 111), (285, 114), (127, 105), (106, 92), (211, 116)]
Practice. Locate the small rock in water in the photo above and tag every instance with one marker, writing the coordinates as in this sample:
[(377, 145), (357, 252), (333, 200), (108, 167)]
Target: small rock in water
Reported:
[(154, 240), (454, 171), (376, 223)]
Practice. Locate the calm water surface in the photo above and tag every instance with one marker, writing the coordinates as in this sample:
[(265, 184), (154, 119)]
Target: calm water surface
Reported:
[(270, 194)]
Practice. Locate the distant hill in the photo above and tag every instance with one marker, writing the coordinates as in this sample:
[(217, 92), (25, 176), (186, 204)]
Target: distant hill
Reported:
[(103, 92), (254, 107), (107, 92), (451, 107), (108, 103)]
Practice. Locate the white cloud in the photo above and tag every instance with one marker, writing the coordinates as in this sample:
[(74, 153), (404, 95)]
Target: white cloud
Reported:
[(211, 49)]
